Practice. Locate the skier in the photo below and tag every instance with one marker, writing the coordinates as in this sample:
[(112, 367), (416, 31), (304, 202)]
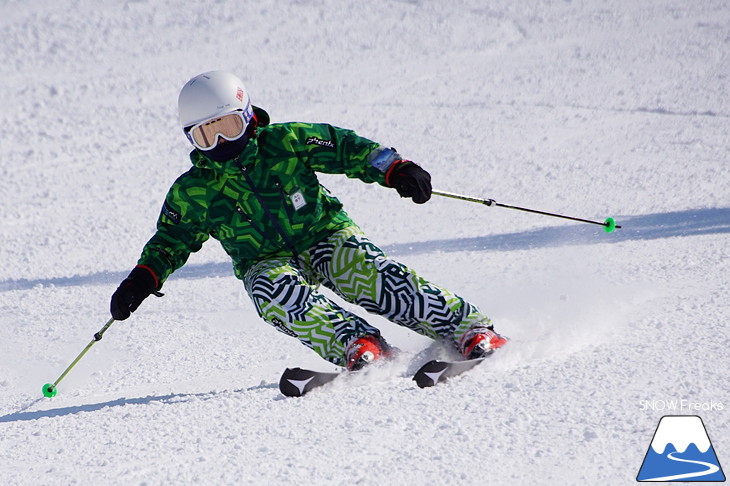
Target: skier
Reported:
[(253, 187)]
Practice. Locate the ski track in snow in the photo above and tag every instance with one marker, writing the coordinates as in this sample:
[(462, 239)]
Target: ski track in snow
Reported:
[(588, 108)]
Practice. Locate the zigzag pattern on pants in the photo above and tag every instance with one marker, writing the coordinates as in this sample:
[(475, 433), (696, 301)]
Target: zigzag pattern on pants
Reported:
[(284, 291), (284, 299), (361, 273)]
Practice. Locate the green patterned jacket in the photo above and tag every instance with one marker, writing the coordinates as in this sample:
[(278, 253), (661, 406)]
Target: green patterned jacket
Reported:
[(267, 201)]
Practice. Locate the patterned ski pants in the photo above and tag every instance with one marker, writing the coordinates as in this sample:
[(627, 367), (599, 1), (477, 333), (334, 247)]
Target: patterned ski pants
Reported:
[(285, 293)]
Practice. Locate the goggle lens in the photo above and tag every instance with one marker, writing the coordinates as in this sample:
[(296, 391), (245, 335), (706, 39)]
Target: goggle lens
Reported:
[(230, 127)]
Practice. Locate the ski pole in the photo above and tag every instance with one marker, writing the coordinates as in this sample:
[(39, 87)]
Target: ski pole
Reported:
[(608, 225), (49, 389)]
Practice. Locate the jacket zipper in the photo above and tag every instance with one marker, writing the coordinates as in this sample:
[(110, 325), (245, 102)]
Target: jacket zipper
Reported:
[(248, 219), (267, 211), (284, 202)]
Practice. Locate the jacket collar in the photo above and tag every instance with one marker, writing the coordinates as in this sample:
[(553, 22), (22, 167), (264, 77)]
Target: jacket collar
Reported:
[(232, 166)]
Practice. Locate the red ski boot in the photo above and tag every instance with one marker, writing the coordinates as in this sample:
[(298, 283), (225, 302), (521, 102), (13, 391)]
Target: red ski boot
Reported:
[(365, 350), (480, 341)]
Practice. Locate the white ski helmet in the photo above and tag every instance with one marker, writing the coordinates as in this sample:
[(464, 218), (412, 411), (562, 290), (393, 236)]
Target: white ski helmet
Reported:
[(212, 94)]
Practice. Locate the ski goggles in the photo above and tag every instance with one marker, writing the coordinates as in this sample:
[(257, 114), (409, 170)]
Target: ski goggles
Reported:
[(206, 134)]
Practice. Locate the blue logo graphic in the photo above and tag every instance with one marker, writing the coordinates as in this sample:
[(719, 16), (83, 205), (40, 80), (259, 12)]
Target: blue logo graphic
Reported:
[(681, 451)]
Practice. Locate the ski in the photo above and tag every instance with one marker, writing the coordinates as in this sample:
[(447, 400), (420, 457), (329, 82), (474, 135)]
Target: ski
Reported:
[(435, 371), (296, 382)]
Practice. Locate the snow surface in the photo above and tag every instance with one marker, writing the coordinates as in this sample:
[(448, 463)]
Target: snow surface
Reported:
[(592, 108)]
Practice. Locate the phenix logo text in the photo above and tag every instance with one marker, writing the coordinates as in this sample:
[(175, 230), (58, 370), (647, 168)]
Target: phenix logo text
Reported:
[(680, 405)]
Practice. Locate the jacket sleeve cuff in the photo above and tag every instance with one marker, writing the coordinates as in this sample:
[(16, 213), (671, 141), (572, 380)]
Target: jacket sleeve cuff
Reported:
[(143, 271), (394, 167)]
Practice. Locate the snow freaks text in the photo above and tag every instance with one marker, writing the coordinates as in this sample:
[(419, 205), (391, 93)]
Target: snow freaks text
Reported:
[(680, 405)]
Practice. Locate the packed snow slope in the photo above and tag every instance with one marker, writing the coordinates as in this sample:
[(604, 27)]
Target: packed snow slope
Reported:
[(591, 108)]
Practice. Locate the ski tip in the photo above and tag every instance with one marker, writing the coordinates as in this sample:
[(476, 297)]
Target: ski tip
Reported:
[(296, 382), (435, 372), (430, 373), (288, 384)]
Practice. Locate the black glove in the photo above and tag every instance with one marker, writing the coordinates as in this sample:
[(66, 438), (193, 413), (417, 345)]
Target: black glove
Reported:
[(131, 292), (410, 181)]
